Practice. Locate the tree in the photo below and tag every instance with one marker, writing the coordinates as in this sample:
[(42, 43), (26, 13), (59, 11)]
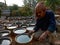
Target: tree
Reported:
[(15, 7), (5, 4), (52, 3), (2, 5), (25, 11), (0, 12), (25, 2)]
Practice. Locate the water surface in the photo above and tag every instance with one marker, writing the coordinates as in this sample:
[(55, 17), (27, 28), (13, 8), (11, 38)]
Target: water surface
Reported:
[(5, 42), (23, 39), (20, 31)]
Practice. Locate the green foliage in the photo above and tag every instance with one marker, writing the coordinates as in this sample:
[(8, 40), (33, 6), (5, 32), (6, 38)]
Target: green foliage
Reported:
[(14, 7), (0, 12), (2, 5), (25, 1), (52, 4), (38, 0), (25, 11)]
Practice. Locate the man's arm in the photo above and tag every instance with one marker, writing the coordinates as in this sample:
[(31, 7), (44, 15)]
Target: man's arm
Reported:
[(37, 25), (52, 25)]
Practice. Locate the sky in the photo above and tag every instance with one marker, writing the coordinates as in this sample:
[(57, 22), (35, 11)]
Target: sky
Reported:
[(11, 2)]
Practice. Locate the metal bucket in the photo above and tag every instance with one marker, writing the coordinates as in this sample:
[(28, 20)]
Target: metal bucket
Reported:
[(30, 28), (5, 41), (23, 39), (9, 24), (4, 33), (19, 31), (12, 27), (32, 24)]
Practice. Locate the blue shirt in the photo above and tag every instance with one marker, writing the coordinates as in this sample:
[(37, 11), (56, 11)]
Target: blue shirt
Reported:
[(46, 23)]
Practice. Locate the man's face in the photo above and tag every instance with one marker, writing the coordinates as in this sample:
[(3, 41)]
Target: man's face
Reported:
[(40, 12)]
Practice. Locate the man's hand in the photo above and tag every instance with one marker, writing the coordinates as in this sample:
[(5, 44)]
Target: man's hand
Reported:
[(30, 32), (44, 35)]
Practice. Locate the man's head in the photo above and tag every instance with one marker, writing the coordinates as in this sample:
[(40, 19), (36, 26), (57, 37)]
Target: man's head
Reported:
[(40, 9)]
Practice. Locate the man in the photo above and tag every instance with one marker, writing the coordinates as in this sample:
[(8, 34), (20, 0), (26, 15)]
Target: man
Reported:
[(45, 23)]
